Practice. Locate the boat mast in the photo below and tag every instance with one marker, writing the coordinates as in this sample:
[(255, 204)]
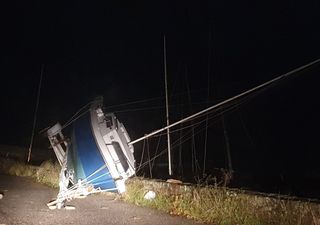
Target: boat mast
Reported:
[(35, 115), (229, 100), (167, 105)]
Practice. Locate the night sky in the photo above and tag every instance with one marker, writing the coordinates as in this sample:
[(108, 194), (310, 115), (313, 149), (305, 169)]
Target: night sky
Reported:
[(115, 49)]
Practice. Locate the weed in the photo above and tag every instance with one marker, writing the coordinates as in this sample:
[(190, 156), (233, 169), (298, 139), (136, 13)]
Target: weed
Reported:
[(221, 205), (47, 173)]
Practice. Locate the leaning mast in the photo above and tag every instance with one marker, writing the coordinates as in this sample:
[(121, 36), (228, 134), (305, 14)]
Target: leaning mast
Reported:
[(167, 105)]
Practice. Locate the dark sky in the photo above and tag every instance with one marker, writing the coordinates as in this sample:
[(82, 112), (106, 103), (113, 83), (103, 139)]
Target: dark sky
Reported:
[(115, 49)]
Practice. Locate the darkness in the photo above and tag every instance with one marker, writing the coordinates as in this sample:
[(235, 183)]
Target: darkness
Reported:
[(215, 49)]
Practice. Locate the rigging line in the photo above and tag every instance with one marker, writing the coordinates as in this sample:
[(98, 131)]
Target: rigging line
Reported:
[(263, 85), (151, 99), (244, 126), (35, 113), (227, 108), (173, 146), (73, 118), (96, 171), (192, 127), (75, 186), (105, 182), (157, 148), (74, 115), (98, 177), (165, 150), (141, 155), (189, 137), (156, 107), (148, 151), (220, 112), (86, 179), (134, 102), (67, 124)]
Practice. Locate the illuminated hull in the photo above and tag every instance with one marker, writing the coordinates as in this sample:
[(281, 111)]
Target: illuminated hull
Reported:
[(97, 155), (85, 157)]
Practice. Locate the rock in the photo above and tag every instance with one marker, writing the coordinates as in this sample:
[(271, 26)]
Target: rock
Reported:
[(150, 195), (174, 181)]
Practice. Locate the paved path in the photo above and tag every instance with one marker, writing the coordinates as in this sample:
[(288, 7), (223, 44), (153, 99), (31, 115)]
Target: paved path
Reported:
[(24, 202)]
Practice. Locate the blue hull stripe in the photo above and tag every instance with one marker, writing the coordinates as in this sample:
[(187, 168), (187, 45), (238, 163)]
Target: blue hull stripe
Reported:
[(86, 155)]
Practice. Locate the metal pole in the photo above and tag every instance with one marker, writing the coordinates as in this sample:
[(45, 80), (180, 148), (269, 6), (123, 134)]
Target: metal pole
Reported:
[(167, 105), (227, 101), (35, 115)]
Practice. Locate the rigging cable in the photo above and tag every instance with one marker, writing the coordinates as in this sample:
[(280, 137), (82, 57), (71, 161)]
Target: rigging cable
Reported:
[(148, 151), (144, 143), (263, 86), (75, 116), (193, 133), (157, 148)]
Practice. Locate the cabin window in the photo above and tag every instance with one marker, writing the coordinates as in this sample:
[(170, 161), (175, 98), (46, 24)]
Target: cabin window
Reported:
[(108, 121)]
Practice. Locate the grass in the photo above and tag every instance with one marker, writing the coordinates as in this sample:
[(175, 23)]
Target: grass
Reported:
[(215, 205), (209, 204), (47, 173)]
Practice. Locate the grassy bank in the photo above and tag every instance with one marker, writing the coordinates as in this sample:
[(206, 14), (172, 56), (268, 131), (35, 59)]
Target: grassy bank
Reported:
[(47, 173), (209, 204), (222, 206)]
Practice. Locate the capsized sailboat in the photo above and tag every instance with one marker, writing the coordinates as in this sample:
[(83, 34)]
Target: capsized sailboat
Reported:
[(97, 156)]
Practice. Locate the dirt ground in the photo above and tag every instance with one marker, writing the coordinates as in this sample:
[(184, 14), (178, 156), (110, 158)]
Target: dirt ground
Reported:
[(24, 202)]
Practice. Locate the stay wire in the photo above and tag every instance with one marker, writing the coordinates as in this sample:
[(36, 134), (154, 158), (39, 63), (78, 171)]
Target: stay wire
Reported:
[(190, 133)]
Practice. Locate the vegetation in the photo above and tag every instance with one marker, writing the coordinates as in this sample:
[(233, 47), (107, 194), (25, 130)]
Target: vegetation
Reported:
[(209, 204), (47, 173), (222, 206)]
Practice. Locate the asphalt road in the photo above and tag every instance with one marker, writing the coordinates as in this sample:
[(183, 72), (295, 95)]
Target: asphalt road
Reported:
[(24, 202)]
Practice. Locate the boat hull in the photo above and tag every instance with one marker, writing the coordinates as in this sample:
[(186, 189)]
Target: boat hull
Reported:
[(87, 157)]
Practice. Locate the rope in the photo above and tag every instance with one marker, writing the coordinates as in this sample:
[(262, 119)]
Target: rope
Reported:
[(156, 150), (144, 142), (189, 135), (148, 151), (72, 119), (75, 116)]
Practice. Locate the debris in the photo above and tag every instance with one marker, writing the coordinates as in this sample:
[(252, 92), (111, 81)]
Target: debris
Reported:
[(136, 218), (150, 195), (173, 181), (52, 207), (1, 196), (70, 207)]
